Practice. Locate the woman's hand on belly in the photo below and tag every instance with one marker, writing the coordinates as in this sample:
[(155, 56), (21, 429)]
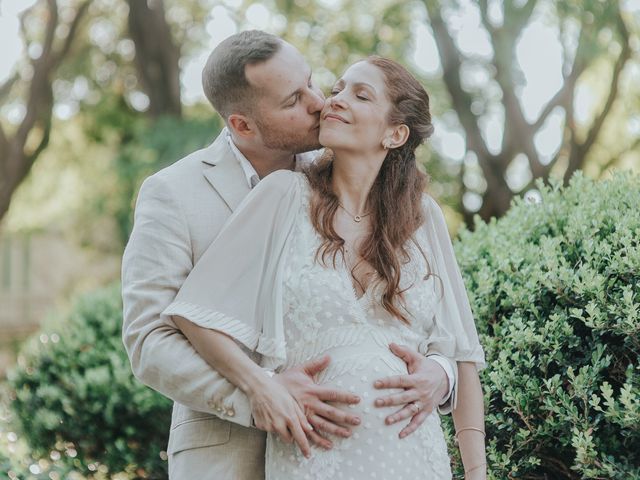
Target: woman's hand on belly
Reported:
[(424, 387)]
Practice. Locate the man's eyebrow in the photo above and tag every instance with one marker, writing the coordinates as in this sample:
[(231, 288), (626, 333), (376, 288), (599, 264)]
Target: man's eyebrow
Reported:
[(297, 91)]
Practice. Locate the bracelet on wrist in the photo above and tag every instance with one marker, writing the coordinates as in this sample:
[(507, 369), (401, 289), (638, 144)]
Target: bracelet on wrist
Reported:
[(467, 471), (475, 429)]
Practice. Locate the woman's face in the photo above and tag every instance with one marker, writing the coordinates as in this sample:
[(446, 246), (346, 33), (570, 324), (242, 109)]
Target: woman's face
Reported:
[(354, 117)]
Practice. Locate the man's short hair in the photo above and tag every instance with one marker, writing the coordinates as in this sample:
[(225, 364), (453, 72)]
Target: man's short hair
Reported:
[(223, 77)]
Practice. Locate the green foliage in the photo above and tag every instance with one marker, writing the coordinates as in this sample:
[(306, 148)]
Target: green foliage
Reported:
[(555, 287), (152, 147), (143, 147), (74, 394)]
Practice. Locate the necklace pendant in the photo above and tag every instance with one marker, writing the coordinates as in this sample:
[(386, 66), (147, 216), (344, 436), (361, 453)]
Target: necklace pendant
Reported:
[(357, 218)]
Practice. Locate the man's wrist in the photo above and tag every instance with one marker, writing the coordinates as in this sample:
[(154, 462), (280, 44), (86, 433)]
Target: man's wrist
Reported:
[(446, 366)]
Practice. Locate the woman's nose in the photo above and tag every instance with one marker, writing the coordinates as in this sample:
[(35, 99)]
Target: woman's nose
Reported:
[(336, 101)]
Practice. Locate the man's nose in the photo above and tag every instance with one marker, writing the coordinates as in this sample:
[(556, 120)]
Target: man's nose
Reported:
[(317, 100)]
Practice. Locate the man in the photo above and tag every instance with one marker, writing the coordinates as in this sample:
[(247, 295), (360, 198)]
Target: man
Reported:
[(262, 88)]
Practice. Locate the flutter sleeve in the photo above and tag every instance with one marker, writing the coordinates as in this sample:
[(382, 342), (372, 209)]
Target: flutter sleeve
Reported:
[(236, 286), (454, 334)]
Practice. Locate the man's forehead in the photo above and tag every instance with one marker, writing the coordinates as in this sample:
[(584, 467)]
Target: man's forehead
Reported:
[(281, 75)]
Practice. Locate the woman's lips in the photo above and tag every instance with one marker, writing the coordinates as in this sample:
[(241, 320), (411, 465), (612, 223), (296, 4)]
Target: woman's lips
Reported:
[(335, 117)]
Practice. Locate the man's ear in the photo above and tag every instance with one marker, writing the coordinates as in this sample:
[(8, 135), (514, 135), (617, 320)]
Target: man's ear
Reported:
[(397, 136), (241, 125)]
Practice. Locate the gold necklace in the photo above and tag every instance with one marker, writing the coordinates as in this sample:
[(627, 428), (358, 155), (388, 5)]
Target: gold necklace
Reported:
[(356, 218)]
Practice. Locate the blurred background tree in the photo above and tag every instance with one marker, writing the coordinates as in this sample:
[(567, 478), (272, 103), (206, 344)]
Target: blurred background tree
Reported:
[(102, 93), (494, 143), (593, 34)]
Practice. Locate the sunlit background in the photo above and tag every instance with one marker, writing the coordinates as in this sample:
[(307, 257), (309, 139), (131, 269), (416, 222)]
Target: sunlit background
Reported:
[(522, 91), (538, 53), (70, 216)]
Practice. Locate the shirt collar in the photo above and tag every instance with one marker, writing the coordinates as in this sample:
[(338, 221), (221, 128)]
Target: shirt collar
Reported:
[(249, 172)]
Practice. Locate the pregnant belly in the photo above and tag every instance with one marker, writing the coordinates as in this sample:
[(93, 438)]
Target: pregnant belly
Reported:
[(374, 449), (354, 369)]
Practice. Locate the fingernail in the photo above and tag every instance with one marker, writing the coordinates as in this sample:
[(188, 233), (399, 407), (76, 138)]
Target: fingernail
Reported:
[(355, 421), (377, 384), (379, 403)]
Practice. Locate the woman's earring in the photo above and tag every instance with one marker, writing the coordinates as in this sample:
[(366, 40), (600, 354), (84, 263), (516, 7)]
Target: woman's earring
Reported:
[(385, 145)]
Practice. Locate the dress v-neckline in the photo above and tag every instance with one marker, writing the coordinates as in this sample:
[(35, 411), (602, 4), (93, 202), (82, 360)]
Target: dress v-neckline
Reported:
[(366, 292)]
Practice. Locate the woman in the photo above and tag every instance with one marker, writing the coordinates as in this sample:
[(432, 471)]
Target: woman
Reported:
[(343, 260)]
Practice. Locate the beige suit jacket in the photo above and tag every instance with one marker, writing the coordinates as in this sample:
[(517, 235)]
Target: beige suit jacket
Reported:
[(179, 211)]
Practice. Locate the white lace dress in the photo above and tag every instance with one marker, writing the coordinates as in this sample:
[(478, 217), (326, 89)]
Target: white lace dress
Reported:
[(303, 310)]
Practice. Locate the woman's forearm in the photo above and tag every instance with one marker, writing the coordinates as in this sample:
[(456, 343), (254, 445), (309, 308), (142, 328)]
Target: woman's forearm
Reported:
[(468, 419), (224, 355)]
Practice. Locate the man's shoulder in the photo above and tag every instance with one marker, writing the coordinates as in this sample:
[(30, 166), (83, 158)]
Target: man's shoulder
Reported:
[(188, 165), (189, 168)]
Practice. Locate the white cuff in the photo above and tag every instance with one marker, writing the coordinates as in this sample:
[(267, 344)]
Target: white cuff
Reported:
[(444, 363)]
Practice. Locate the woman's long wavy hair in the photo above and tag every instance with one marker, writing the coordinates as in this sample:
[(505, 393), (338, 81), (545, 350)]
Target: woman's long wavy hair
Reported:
[(395, 199)]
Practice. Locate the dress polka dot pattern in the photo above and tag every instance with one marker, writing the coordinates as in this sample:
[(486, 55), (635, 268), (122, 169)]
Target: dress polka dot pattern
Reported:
[(324, 316)]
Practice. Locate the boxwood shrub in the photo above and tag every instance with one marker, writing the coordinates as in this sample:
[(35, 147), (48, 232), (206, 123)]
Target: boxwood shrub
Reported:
[(555, 289), (75, 399)]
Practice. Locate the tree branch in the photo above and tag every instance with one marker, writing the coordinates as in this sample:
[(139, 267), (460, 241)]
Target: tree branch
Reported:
[(518, 16), (6, 87), (614, 158), (579, 150), (4, 147), (562, 96), (615, 85), (518, 133), (483, 5), (451, 64), (50, 32), (73, 27), (16, 159)]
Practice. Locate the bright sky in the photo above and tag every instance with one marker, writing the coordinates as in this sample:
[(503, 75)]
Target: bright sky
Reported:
[(538, 54)]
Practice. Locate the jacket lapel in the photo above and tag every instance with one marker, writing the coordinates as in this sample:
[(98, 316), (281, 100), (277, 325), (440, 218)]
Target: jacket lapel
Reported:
[(224, 173)]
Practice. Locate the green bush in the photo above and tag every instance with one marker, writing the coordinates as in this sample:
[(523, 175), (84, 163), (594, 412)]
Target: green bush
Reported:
[(74, 394), (555, 288)]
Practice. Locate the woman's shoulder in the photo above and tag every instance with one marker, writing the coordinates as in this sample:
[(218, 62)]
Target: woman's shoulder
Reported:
[(428, 202), (431, 208)]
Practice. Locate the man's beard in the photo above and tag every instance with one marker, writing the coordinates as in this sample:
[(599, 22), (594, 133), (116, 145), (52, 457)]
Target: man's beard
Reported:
[(287, 140)]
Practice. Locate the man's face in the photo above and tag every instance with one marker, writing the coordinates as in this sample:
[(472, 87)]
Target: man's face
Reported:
[(287, 112)]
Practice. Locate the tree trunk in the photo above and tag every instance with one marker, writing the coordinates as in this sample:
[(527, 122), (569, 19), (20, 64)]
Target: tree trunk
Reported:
[(19, 151), (156, 56)]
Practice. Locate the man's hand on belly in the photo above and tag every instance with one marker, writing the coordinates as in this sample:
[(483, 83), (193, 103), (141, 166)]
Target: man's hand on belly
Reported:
[(313, 399), (424, 387)]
